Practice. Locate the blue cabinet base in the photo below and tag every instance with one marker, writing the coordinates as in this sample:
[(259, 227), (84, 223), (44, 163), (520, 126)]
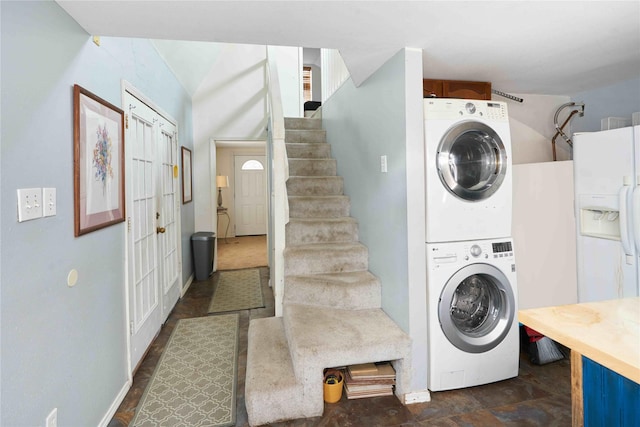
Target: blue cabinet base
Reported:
[(610, 400)]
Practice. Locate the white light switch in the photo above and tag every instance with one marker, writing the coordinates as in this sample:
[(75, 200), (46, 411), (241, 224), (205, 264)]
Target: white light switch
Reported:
[(383, 164), (49, 200), (29, 204)]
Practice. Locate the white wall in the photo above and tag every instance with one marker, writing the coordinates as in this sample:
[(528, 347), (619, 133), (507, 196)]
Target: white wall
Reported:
[(289, 60), (532, 127), (544, 234), (231, 105), (383, 116)]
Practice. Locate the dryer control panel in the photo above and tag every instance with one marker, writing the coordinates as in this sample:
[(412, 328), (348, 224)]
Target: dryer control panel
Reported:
[(445, 109)]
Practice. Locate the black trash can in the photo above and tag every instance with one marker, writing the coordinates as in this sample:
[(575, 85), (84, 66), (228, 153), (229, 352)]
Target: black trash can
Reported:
[(203, 243)]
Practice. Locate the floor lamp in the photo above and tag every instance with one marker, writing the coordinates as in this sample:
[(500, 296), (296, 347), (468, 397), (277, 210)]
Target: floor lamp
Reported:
[(221, 182)]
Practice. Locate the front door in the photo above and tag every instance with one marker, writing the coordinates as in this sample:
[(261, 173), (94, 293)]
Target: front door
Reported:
[(153, 253), (250, 195)]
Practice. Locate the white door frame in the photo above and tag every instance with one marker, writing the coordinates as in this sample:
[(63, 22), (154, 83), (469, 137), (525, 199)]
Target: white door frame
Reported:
[(226, 168), (128, 87)]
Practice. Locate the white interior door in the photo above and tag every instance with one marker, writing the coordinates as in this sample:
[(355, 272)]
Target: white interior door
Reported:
[(250, 187), (168, 225), (153, 247)]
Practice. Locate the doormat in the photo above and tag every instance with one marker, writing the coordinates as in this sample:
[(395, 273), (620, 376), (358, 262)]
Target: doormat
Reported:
[(237, 290), (194, 383)]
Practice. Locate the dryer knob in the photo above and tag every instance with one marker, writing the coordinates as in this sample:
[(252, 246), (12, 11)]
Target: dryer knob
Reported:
[(475, 250), (471, 108)]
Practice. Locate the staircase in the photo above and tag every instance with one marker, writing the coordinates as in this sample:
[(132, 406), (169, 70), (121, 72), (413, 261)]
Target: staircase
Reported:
[(331, 308)]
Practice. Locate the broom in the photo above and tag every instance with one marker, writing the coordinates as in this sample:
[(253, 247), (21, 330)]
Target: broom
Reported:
[(542, 350)]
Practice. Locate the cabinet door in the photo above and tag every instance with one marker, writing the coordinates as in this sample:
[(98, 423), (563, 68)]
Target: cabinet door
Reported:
[(466, 90)]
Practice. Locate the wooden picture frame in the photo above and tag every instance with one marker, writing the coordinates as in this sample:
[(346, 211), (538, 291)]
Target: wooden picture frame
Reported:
[(98, 162), (187, 176)]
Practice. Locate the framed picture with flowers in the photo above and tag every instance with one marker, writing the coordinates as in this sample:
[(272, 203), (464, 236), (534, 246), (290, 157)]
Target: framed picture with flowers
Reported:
[(98, 162)]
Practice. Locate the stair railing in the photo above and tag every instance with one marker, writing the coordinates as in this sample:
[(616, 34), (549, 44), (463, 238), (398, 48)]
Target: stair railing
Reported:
[(279, 173)]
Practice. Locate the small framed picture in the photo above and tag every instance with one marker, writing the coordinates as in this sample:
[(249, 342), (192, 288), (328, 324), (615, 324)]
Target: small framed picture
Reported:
[(98, 162), (186, 175)]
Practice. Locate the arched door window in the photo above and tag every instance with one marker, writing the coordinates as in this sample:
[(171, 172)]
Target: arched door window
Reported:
[(252, 165)]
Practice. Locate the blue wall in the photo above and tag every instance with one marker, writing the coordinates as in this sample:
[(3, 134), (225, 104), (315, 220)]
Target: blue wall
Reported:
[(618, 100), (64, 347), (363, 124)]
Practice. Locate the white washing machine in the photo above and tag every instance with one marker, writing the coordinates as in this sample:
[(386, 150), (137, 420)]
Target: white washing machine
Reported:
[(473, 334), (468, 170)]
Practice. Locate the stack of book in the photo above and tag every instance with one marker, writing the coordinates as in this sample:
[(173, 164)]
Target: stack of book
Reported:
[(369, 380)]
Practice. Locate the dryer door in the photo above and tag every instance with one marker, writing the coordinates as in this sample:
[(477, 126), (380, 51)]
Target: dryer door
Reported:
[(477, 308), (471, 160)]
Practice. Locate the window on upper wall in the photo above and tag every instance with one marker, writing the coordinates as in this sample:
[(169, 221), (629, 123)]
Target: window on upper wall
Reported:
[(306, 83)]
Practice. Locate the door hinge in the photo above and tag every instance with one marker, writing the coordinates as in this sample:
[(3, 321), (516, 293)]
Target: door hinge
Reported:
[(128, 223), (131, 328), (126, 121)]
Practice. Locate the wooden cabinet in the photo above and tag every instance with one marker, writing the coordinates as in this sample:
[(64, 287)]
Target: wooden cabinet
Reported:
[(456, 89)]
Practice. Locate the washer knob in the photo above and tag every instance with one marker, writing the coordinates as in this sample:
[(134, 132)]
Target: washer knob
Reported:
[(471, 108), (475, 250)]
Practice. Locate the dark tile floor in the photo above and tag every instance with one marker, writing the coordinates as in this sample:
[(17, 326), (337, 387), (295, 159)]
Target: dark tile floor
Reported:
[(539, 396)]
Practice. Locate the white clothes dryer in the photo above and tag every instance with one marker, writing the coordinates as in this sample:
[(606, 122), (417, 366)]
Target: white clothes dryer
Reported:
[(473, 335), (468, 170)]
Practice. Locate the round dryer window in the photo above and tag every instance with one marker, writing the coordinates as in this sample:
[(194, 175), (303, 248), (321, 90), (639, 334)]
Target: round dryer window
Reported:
[(471, 161), (476, 308)]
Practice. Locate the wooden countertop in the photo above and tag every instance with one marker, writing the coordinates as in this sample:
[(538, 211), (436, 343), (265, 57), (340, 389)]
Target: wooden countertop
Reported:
[(607, 332)]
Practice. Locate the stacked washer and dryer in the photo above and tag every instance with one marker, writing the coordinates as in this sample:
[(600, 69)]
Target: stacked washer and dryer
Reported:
[(473, 335)]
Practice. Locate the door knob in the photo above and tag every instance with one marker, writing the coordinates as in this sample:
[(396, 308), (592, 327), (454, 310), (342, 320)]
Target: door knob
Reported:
[(160, 230)]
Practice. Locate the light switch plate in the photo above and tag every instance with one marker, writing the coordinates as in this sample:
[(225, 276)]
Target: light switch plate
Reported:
[(29, 204), (49, 201), (383, 164)]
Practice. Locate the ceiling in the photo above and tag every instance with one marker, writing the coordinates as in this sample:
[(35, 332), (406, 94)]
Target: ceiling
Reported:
[(541, 47)]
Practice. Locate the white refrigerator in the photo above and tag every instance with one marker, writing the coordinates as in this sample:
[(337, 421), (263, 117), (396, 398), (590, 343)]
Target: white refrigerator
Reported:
[(607, 208)]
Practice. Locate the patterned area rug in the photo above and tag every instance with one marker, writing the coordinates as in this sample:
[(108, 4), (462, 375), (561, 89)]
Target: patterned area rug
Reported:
[(237, 290), (194, 384)]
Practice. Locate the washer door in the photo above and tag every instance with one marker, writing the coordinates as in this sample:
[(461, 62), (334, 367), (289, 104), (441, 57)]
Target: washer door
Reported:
[(471, 161), (476, 308)]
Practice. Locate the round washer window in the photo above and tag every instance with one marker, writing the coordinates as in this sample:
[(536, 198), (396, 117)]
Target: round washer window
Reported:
[(471, 161), (477, 308)]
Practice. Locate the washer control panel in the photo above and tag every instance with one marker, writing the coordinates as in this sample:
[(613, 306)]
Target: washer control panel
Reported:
[(477, 251)]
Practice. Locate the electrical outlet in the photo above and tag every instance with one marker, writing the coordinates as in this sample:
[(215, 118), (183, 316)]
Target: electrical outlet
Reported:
[(383, 164), (29, 204), (52, 419), (49, 200)]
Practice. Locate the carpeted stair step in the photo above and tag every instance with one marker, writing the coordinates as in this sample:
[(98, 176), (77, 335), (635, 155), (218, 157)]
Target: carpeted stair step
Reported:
[(321, 338), (319, 206), (301, 231), (302, 123), (312, 167), (315, 185), (322, 258), (272, 392), (301, 150), (352, 291), (306, 136)]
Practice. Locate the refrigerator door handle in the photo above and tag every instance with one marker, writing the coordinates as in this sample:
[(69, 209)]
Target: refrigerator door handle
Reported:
[(635, 215), (625, 232)]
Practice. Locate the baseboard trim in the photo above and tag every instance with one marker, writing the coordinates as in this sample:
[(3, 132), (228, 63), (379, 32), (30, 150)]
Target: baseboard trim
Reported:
[(417, 397), (185, 288), (116, 403)]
